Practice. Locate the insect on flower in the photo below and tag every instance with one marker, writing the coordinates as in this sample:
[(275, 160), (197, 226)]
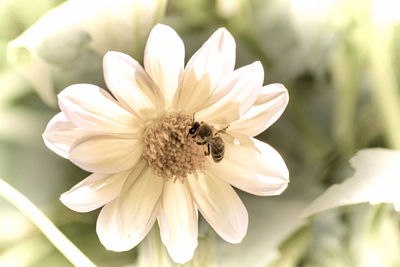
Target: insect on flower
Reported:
[(204, 134), (150, 160)]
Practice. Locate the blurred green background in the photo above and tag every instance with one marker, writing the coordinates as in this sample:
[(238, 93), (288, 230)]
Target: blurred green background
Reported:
[(340, 61)]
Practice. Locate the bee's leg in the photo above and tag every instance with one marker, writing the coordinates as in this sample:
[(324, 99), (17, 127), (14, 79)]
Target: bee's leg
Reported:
[(207, 153), (201, 143), (222, 130)]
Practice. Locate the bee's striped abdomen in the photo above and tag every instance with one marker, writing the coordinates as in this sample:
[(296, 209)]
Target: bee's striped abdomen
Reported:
[(217, 148)]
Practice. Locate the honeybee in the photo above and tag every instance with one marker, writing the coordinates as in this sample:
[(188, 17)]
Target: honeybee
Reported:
[(203, 133)]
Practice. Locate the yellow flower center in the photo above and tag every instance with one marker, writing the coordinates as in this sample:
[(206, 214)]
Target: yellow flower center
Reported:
[(170, 151)]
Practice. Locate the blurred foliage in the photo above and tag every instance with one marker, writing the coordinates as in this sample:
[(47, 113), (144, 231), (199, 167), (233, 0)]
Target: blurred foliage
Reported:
[(67, 44), (340, 61)]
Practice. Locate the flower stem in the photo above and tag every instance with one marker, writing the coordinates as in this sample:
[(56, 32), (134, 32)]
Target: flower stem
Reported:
[(63, 244), (385, 87)]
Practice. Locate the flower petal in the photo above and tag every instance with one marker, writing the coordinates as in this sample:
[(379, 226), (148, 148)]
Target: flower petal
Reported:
[(94, 191), (119, 231), (60, 134), (213, 61), (164, 59), (254, 167), (131, 85), (220, 206), (268, 107), (240, 89), (92, 108), (108, 227), (139, 206), (110, 232), (105, 153), (178, 221)]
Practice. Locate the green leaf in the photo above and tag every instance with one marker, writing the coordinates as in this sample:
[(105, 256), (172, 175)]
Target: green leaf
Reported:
[(152, 252), (21, 253), (328, 241), (376, 180), (271, 221), (67, 44), (379, 242), (293, 249), (17, 15)]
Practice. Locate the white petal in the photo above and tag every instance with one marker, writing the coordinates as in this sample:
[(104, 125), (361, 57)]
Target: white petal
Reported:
[(60, 134), (268, 107), (240, 89), (110, 223), (220, 206), (178, 221), (213, 61), (105, 153), (110, 232), (108, 227), (131, 85), (254, 167), (92, 108), (164, 59), (139, 205), (94, 191)]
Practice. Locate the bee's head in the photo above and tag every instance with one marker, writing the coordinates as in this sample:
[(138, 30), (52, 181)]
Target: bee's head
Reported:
[(194, 128)]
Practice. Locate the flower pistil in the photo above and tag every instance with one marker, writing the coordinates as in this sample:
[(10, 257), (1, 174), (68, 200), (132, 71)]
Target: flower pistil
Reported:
[(170, 151)]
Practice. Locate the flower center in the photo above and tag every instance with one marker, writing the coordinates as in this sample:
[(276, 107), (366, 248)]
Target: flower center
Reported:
[(170, 151)]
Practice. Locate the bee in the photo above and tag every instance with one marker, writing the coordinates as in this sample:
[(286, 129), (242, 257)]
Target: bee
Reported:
[(203, 133)]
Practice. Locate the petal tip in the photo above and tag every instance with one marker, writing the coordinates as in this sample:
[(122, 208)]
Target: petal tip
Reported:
[(257, 70), (45, 139), (257, 64), (283, 188), (236, 239), (65, 200), (223, 32), (112, 54), (282, 89), (108, 53), (107, 58), (161, 27), (183, 254)]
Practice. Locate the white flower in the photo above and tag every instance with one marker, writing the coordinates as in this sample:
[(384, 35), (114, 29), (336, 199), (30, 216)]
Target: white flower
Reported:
[(146, 165)]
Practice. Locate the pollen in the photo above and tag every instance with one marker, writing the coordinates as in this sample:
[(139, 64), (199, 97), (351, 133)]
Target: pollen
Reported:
[(170, 151)]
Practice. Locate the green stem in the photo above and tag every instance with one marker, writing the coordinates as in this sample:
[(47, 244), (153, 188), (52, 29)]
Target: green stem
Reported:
[(385, 87), (345, 70), (63, 244)]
